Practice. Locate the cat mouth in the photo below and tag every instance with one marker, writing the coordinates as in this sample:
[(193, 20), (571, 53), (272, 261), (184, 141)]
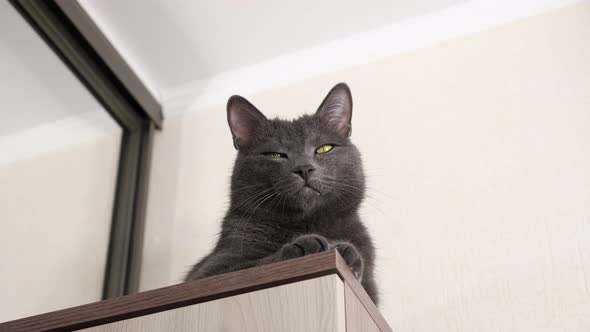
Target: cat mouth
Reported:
[(308, 187)]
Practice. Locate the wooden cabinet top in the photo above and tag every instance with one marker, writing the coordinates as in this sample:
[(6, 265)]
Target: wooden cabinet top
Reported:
[(198, 291)]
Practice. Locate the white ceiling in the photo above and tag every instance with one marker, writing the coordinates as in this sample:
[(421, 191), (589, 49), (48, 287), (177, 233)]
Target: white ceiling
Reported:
[(171, 43)]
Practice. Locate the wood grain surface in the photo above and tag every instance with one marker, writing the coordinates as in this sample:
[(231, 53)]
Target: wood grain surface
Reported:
[(310, 305), (357, 318), (197, 291), (357, 289)]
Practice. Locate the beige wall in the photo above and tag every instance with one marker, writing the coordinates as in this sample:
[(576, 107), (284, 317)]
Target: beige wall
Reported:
[(477, 152)]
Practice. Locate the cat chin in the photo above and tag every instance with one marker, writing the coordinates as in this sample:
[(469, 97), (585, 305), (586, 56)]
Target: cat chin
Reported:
[(307, 200)]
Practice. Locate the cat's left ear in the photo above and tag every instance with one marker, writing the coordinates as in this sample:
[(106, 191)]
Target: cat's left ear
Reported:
[(336, 109)]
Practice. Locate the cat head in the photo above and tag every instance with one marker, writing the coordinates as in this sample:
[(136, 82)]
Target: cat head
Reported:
[(299, 167)]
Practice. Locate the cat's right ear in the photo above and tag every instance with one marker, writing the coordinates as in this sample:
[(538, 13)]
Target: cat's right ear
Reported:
[(243, 118)]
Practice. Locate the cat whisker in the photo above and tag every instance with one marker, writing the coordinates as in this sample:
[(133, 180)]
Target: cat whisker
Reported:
[(358, 191), (367, 188), (245, 220), (249, 198)]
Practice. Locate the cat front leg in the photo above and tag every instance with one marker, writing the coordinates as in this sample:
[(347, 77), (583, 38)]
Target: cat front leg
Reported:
[(302, 245), (305, 245), (352, 257), (308, 244)]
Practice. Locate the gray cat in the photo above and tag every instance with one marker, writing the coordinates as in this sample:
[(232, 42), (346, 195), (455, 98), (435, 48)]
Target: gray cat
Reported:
[(296, 188)]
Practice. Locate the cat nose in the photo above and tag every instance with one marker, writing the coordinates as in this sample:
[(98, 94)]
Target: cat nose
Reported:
[(304, 171)]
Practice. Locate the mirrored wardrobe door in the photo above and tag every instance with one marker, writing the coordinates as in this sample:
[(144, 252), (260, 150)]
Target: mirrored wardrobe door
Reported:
[(59, 153)]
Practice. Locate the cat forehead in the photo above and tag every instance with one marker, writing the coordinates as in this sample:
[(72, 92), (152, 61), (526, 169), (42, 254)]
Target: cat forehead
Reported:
[(306, 130)]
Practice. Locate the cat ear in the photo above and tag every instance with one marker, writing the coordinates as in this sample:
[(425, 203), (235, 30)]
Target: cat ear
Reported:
[(243, 118), (336, 109)]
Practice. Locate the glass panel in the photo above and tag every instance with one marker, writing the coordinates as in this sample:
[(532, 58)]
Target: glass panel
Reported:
[(58, 165)]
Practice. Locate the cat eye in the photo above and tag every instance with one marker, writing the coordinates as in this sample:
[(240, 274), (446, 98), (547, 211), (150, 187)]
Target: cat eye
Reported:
[(324, 148), (275, 155)]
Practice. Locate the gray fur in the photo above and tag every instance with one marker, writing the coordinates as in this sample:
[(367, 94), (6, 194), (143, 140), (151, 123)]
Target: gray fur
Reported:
[(273, 216)]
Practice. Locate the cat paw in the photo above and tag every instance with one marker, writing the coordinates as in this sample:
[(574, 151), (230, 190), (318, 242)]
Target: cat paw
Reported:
[(305, 245), (352, 257)]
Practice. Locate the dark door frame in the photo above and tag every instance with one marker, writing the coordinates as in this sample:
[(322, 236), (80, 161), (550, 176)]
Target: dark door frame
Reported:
[(75, 38)]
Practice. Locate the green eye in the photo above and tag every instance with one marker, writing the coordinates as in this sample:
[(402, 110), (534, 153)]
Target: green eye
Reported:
[(324, 148), (275, 155)]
